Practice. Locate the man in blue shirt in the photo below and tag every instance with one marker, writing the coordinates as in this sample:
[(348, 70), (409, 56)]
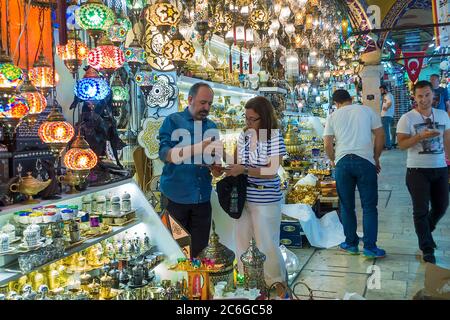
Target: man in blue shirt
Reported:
[(441, 100), (185, 139)]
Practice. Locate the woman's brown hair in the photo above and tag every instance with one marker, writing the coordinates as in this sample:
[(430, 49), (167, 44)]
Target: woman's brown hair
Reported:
[(266, 113)]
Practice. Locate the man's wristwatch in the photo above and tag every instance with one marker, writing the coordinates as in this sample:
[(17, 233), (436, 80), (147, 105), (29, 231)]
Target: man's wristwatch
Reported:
[(246, 170)]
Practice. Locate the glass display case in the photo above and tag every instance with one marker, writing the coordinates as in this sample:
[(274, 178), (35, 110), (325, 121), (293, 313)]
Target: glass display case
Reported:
[(106, 238)]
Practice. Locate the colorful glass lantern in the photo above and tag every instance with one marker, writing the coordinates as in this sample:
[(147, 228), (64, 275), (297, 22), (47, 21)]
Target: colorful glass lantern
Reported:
[(120, 95), (16, 108), (71, 21), (41, 75), (125, 22), (73, 53), (145, 79), (135, 7), (117, 33), (95, 17), (80, 158), (56, 132), (10, 75), (92, 89), (135, 56), (224, 22), (163, 15), (36, 101), (178, 51), (106, 58)]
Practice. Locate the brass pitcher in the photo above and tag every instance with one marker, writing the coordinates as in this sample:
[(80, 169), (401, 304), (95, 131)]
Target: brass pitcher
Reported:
[(29, 186)]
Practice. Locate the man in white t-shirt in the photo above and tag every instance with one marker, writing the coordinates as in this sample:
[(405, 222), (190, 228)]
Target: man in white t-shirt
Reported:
[(425, 133), (357, 159), (387, 114)]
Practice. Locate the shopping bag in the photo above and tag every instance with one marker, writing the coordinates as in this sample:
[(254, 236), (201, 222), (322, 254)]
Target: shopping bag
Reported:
[(326, 232)]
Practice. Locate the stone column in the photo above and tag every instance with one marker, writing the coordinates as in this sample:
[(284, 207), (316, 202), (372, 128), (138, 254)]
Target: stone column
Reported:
[(370, 76)]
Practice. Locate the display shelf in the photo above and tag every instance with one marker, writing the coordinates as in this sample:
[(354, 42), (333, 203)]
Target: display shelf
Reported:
[(148, 222), (273, 90), (64, 198), (184, 84), (12, 272)]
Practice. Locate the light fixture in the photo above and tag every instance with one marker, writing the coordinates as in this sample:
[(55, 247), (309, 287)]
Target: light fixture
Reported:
[(144, 79), (36, 101), (117, 33), (163, 15), (120, 95), (41, 75), (95, 17), (16, 108), (80, 159), (135, 56), (73, 53), (56, 132), (106, 58), (92, 87), (178, 51)]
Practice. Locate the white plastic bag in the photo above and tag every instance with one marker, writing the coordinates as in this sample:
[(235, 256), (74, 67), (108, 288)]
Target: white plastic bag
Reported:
[(309, 180), (326, 232), (290, 260)]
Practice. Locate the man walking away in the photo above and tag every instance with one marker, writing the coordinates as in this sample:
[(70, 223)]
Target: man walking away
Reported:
[(357, 159)]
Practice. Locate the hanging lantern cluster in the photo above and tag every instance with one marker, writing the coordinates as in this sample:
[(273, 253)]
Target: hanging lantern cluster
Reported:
[(94, 17), (73, 53), (10, 75)]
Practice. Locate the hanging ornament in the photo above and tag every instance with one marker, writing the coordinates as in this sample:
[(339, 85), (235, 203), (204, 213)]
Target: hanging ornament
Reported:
[(144, 79), (92, 87), (41, 75), (135, 56), (95, 17), (56, 132), (106, 58), (178, 51), (163, 15), (36, 101), (80, 158), (120, 94), (73, 53), (117, 33)]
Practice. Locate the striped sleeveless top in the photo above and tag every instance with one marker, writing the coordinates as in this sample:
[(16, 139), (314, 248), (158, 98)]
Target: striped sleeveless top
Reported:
[(259, 157)]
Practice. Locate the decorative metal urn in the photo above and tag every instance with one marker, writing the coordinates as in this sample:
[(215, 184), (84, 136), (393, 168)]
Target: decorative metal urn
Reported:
[(221, 255), (253, 263)]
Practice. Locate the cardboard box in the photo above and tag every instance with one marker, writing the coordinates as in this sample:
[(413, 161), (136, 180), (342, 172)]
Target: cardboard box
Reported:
[(437, 284)]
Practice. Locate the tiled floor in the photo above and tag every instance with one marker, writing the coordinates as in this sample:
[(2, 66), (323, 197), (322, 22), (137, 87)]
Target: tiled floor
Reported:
[(331, 273)]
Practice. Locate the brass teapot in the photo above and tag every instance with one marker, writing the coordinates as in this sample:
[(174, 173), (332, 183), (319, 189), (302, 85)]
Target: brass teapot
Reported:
[(29, 186), (71, 180)]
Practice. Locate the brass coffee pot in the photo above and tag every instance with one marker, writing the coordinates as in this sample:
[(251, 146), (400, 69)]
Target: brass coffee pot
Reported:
[(29, 186)]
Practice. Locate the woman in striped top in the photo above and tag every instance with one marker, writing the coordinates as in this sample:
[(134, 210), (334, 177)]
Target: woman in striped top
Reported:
[(260, 151)]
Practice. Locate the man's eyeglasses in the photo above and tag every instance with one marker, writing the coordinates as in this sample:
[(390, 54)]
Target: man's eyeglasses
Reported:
[(251, 120)]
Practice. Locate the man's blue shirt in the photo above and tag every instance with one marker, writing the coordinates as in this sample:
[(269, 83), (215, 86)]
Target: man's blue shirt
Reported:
[(184, 183)]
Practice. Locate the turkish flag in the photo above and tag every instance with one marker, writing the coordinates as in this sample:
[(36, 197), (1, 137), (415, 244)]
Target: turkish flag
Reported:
[(413, 63)]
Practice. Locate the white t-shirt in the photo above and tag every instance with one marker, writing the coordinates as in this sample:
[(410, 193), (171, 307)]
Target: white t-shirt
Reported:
[(352, 127), (390, 112), (427, 153)]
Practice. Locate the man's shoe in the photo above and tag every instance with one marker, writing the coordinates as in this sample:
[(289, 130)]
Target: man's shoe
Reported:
[(429, 257), (354, 250), (374, 253)]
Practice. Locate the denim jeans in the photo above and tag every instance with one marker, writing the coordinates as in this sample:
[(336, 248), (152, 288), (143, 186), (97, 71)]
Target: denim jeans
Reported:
[(353, 171), (387, 121), (427, 186)]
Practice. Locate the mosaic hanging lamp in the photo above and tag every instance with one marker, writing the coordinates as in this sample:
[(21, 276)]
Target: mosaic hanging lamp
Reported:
[(73, 53), (56, 132), (41, 75), (80, 158), (92, 87), (36, 101), (178, 51), (95, 17), (106, 58), (117, 33), (145, 79), (135, 56), (163, 15), (120, 94)]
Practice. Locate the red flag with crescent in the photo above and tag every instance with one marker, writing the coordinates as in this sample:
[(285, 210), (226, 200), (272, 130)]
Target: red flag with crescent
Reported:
[(413, 63)]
